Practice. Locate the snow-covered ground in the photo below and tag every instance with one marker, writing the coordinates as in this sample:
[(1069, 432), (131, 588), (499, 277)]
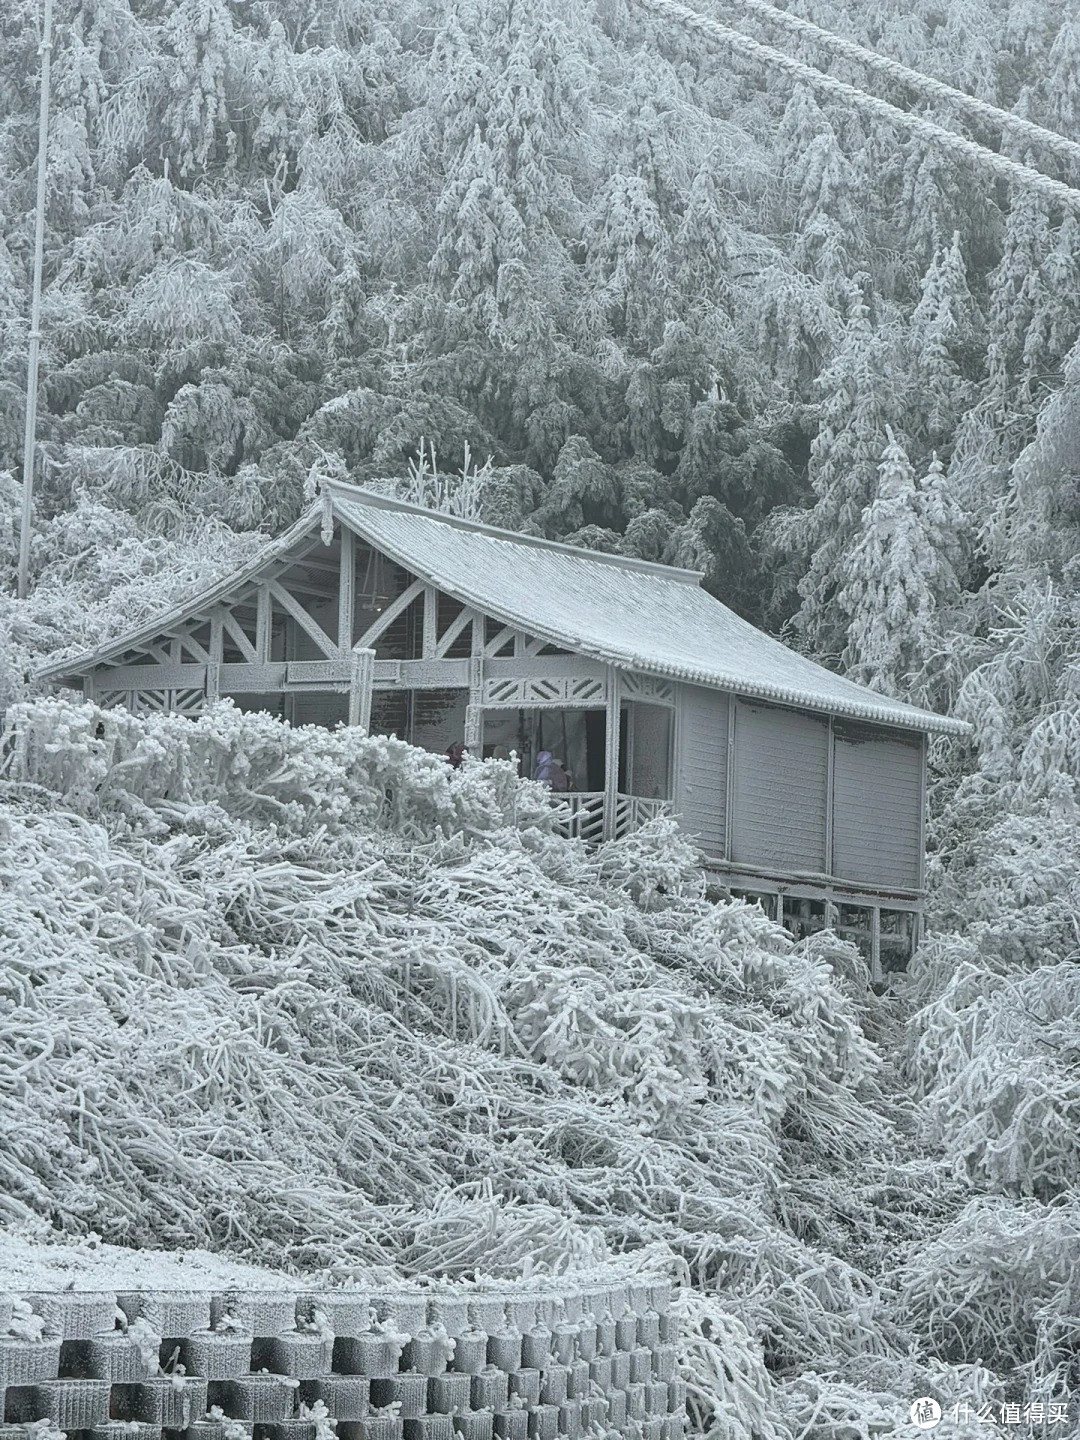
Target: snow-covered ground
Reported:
[(30, 1262)]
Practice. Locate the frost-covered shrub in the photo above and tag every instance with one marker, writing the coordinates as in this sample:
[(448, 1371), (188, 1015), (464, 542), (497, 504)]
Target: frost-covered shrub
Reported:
[(731, 1396), (998, 1285), (651, 862), (163, 769), (994, 1056), (1013, 892), (316, 999)]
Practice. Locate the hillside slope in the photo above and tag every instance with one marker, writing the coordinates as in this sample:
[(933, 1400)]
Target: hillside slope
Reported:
[(312, 999)]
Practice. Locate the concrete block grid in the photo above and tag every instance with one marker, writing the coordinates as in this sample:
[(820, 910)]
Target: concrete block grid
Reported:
[(543, 1361)]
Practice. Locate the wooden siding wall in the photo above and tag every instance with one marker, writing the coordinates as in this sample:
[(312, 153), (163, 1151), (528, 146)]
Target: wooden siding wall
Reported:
[(877, 806), (782, 817), (701, 777), (781, 779)]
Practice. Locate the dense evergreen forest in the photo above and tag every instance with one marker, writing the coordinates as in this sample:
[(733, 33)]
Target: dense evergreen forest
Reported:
[(640, 296)]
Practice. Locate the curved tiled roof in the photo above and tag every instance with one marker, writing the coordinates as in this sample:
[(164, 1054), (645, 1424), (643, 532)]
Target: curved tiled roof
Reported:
[(635, 615), (629, 613)]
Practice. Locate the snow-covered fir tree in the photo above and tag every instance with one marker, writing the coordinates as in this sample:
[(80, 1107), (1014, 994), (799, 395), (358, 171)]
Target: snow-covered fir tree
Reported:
[(898, 575)]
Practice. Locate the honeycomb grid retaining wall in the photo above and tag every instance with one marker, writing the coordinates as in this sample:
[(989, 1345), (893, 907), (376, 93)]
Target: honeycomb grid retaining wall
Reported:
[(539, 1361)]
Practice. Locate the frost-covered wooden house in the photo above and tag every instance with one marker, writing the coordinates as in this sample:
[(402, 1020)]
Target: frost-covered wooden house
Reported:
[(800, 787)]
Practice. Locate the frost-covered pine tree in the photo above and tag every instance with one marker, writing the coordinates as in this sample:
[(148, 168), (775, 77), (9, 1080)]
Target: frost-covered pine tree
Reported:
[(499, 268), (1062, 80), (1016, 284), (824, 188), (1037, 530), (941, 327), (897, 575), (863, 391), (200, 53), (964, 48), (793, 326), (936, 199)]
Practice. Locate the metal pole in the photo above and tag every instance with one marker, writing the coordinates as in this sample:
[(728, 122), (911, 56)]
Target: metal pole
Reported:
[(30, 436)]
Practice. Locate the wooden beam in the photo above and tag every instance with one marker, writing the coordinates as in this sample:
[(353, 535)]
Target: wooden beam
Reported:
[(611, 751), (317, 674), (324, 567), (189, 643), (498, 641), (422, 674), (292, 607), (729, 783), (252, 679), (814, 887), (431, 623), (452, 631), (217, 637), (876, 973), (474, 709), (152, 677), (235, 632), (346, 613), (264, 622), (389, 615), (299, 586)]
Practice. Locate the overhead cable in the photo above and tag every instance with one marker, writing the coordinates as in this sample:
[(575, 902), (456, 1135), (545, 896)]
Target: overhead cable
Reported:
[(1010, 170), (934, 90)]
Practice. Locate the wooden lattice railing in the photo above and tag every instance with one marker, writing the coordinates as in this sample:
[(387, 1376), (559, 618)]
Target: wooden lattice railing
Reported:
[(582, 815), (632, 811)]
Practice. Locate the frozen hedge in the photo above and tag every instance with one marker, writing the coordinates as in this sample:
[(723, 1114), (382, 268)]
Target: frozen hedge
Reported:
[(312, 998)]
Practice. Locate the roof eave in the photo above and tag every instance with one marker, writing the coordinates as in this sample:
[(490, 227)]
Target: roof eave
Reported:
[(270, 555)]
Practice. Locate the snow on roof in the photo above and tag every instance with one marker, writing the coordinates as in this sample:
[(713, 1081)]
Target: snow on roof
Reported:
[(635, 615), (630, 613)]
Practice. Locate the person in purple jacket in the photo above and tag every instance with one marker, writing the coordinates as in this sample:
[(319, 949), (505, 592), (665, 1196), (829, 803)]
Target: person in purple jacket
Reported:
[(550, 773)]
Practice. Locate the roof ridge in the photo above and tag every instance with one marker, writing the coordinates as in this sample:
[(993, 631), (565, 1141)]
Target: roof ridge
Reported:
[(358, 494)]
